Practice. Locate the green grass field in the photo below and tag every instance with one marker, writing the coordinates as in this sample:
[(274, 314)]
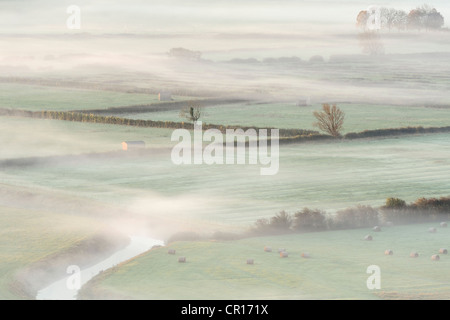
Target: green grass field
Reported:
[(288, 115), (28, 236), (328, 175), (336, 270), (206, 198), (63, 182), (36, 98), (24, 137)]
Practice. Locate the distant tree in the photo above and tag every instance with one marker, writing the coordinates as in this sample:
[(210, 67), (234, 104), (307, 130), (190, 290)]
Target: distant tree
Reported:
[(182, 53), (400, 20), (395, 203), (425, 17), (309, 220), (434, 20), (192, 112), (416, 18), (281, 220), (442, 204), (356, 217), (393, 18), (361, 19), (262, 225), (371, 43), (330, 119)]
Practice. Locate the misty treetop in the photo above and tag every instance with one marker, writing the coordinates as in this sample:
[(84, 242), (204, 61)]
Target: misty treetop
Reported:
[(423, 17)]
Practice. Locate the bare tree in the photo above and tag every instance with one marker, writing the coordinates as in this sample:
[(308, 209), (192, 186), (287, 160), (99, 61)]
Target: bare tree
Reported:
[(400, 20), (390, 17), (371, 43), (330, 119), (192, 112)]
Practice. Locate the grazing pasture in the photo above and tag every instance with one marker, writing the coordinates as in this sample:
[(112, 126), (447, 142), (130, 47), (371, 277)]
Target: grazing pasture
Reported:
[(287, 115), (36, 98), (336, 268)]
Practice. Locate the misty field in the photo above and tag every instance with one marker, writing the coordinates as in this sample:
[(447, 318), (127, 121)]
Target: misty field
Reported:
[(336, 269), (39, 138), (68, 190), (328, 175), (77, 174), (28, 236), (36, 98), (288, 115)]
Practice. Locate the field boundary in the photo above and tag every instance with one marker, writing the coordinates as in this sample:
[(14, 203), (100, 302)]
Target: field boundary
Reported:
[(162, 106), (287, 136), (94, 118)]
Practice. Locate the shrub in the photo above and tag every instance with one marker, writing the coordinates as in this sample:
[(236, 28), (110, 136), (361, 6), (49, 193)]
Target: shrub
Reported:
[(278, 224), (309, 220), (356, 217), (440, 205), (395, 203), (282, 221), (405, 215)]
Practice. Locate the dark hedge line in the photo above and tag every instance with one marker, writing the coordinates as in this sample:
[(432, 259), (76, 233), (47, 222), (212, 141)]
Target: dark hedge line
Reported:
[(287, 136), (95, 118), (394, 131)]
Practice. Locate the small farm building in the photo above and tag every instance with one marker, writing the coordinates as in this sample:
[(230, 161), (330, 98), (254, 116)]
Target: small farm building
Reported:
[(164, 96), (129, 145)]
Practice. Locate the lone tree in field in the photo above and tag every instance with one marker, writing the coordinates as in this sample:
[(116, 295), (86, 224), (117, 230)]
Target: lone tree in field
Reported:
[(330, 119), (192, 112)]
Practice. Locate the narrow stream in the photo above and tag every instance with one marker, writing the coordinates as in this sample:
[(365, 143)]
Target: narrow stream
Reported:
[(60, 290)]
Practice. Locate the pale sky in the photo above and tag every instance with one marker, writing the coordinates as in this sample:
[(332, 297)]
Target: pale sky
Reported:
[(163, 16)]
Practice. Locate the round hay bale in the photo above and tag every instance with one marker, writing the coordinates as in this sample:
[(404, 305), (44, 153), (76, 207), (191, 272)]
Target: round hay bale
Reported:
[(368, 238), (435, 257), (389, 252), (432, 230), (444, 224), (280, 250), (250, 261), (182, 259), (284, 254), (376, 229), (414, 255), (443, 251), (171, 251), (267, 249), (306, 255)]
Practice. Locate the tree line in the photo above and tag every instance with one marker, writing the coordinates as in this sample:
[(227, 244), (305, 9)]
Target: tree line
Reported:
[(395, 211), (420, 18)]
